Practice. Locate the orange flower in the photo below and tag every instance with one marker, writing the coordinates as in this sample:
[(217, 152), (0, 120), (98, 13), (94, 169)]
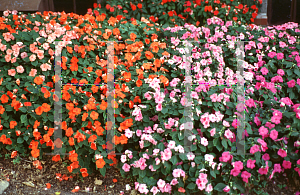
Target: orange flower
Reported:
[(127, 76), (46, 107), (56, 158), (103, 105), (92, 138), (69, 132), (133, 7), (94, 115), (147, 41), (93, 146), (132, 36), (14, 154), (139, 83), (12, 124), (39, 110), (181, 190), (148, 55), (73, 156), (48, 185), (131, 104), (115, 180), (35, 153), (18, 132), (38, 80), (4, 98), (84, 116), (80, 137), (71, 141), (100, 163)]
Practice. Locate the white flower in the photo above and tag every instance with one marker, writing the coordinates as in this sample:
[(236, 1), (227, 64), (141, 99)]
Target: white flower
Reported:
[(128, 187)]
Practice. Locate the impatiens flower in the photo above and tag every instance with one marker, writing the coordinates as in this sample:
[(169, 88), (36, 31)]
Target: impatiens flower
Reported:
[(226, 189), (264, 71), (286, 164), (282, 153), (251, 163), (228, 134)]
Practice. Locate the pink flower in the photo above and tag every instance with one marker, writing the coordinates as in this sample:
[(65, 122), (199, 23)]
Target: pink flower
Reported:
[(263, 171), (228, 134), (272, 54), (159, 107), (126, 167), (254, 149), (264, 71), (212, 132), (275, 119), (235, 172), (277, 168), (245, 175), (280, 56), (226, 124), (266, 157), (250, 103), (251, 163), (12, 72), (280, 72), (273, 134), (226, 189), (204, 141), (282, 153), (225, 157), (32, 58), (263, 131), (238, 165), (286, 164), (33, 72), (161, 183), (291, 83), (20, 69), (214, 97)]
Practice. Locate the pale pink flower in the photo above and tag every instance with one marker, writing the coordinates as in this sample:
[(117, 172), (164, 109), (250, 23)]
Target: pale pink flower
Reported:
[(228, 134), (11, 72), (32, 58), (20, 69), (226, 124)]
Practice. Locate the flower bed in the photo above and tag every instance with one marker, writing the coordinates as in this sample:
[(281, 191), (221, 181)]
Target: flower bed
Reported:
[(150, 103)]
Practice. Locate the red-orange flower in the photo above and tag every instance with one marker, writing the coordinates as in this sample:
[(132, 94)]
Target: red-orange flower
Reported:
[(48, 185), (100, 163), (94, 115), (149, 55), (4, 98), (12, 124), (139, 6), (14, 154), (38, 80), (56, 158)]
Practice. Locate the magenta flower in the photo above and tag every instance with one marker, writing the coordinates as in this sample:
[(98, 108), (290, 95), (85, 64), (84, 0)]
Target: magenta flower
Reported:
[(272, 54), (291, 83), (282, 153), (264, 71), (280, 56)]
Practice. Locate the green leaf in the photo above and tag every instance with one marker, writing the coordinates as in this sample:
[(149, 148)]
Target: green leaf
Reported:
[(289, 72), (161, 146), (174, 159), (164, 110), (191, 186), (23, 118), (224, 143), (20, 140), (84, 123), (220, 186), (297, 72), (103, 171), (168, 166), (288, 114), (212, 173), (142, 173), (23, 109)]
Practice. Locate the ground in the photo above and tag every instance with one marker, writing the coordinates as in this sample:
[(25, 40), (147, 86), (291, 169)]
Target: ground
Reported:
[(25, 172)]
